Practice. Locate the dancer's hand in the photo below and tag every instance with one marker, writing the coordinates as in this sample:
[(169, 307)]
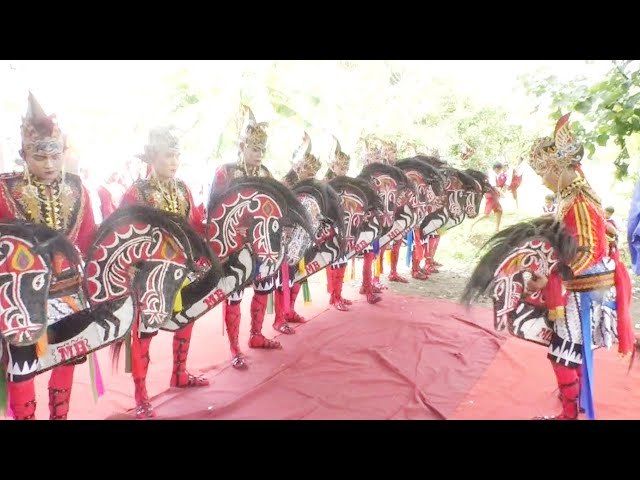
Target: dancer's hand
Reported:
[(537, 282)]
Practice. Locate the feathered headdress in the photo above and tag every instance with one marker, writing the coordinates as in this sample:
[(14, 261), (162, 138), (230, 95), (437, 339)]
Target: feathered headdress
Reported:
[(558, 153), (253, 134), (305, 164), (337, 158), (40, 132), (161, 139)]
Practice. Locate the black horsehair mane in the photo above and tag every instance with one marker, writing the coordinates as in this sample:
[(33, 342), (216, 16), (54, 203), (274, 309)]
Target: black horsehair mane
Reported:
[(270, 185), (431, 174), (372, 198), (332, 207), (44, 239), (482, 179), (173, 223), (504, 242)]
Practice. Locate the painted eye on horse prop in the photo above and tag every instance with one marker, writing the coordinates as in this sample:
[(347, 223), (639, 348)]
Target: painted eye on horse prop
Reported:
[(178, 274), (22, 259), (38, 282)]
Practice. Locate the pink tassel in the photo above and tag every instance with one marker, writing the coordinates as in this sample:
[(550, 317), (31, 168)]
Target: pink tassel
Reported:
[(99, 382), (286, 289)]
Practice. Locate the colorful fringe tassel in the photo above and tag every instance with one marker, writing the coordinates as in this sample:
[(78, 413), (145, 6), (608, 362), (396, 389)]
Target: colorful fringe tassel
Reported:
[(4, 392), (377, 266), (97, 387), (127, 353), (387, 256), (353, 268), (409, 248), (270, 304), (306, 294)]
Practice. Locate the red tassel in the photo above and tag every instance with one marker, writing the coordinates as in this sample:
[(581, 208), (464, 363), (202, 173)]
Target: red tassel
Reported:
[(286, 289), (626, 337), (329, 271), (224, 315), (136, 367)]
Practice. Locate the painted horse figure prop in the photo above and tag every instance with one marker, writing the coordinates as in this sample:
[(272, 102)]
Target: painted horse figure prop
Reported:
[(246, 225), (327, 220), (518, 253), (363, 210), (326, 217), (134, 271), (156, 250), (395, 191)]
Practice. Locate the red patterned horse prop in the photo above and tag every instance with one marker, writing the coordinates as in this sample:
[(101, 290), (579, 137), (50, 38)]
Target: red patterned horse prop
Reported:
[(248, 226), (454, 205), (429, 184), (362, 210), (471, 199), (27, 253), (327, 220), (394, 190), (518, 253), (136, 266)]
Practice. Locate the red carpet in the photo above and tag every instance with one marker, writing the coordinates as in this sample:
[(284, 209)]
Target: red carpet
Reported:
[(404, 358)]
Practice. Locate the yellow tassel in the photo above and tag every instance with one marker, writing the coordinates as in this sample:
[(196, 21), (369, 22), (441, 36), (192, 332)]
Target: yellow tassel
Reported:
[(177, 306), (376, 266), (41, 345), (387, 256), (301, 269)]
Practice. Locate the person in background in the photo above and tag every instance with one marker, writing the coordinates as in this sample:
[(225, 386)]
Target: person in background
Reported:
[(549, 208), (612, 228), (498, 179)]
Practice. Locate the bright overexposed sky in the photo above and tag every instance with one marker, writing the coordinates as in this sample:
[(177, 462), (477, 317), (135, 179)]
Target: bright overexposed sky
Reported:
[(117, 100)]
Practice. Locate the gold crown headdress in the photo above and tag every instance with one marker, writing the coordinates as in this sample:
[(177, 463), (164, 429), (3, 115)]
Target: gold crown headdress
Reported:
[(387, 148), (161, 139), (40, 132), (558, 153), (372, 150), (305, 164), (253, 134), (337, 158)]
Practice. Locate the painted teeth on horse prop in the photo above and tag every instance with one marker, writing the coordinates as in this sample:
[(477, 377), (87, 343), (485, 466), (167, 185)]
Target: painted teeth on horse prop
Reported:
[(552, 280), (247, 207)]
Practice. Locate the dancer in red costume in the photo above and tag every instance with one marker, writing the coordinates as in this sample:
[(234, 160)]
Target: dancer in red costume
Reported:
[(252, 147), (162, 190), (585, 302), (390, 157), (338, 167), (371, 285), (498, 179), (425, 248), (45, 194), (305, 165), (516, 181)]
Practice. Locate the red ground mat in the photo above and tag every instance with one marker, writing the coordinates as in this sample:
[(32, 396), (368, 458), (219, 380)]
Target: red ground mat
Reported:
[(404, 358)]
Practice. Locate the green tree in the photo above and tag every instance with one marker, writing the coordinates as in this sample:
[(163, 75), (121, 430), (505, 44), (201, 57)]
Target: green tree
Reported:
[(609, 107)]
